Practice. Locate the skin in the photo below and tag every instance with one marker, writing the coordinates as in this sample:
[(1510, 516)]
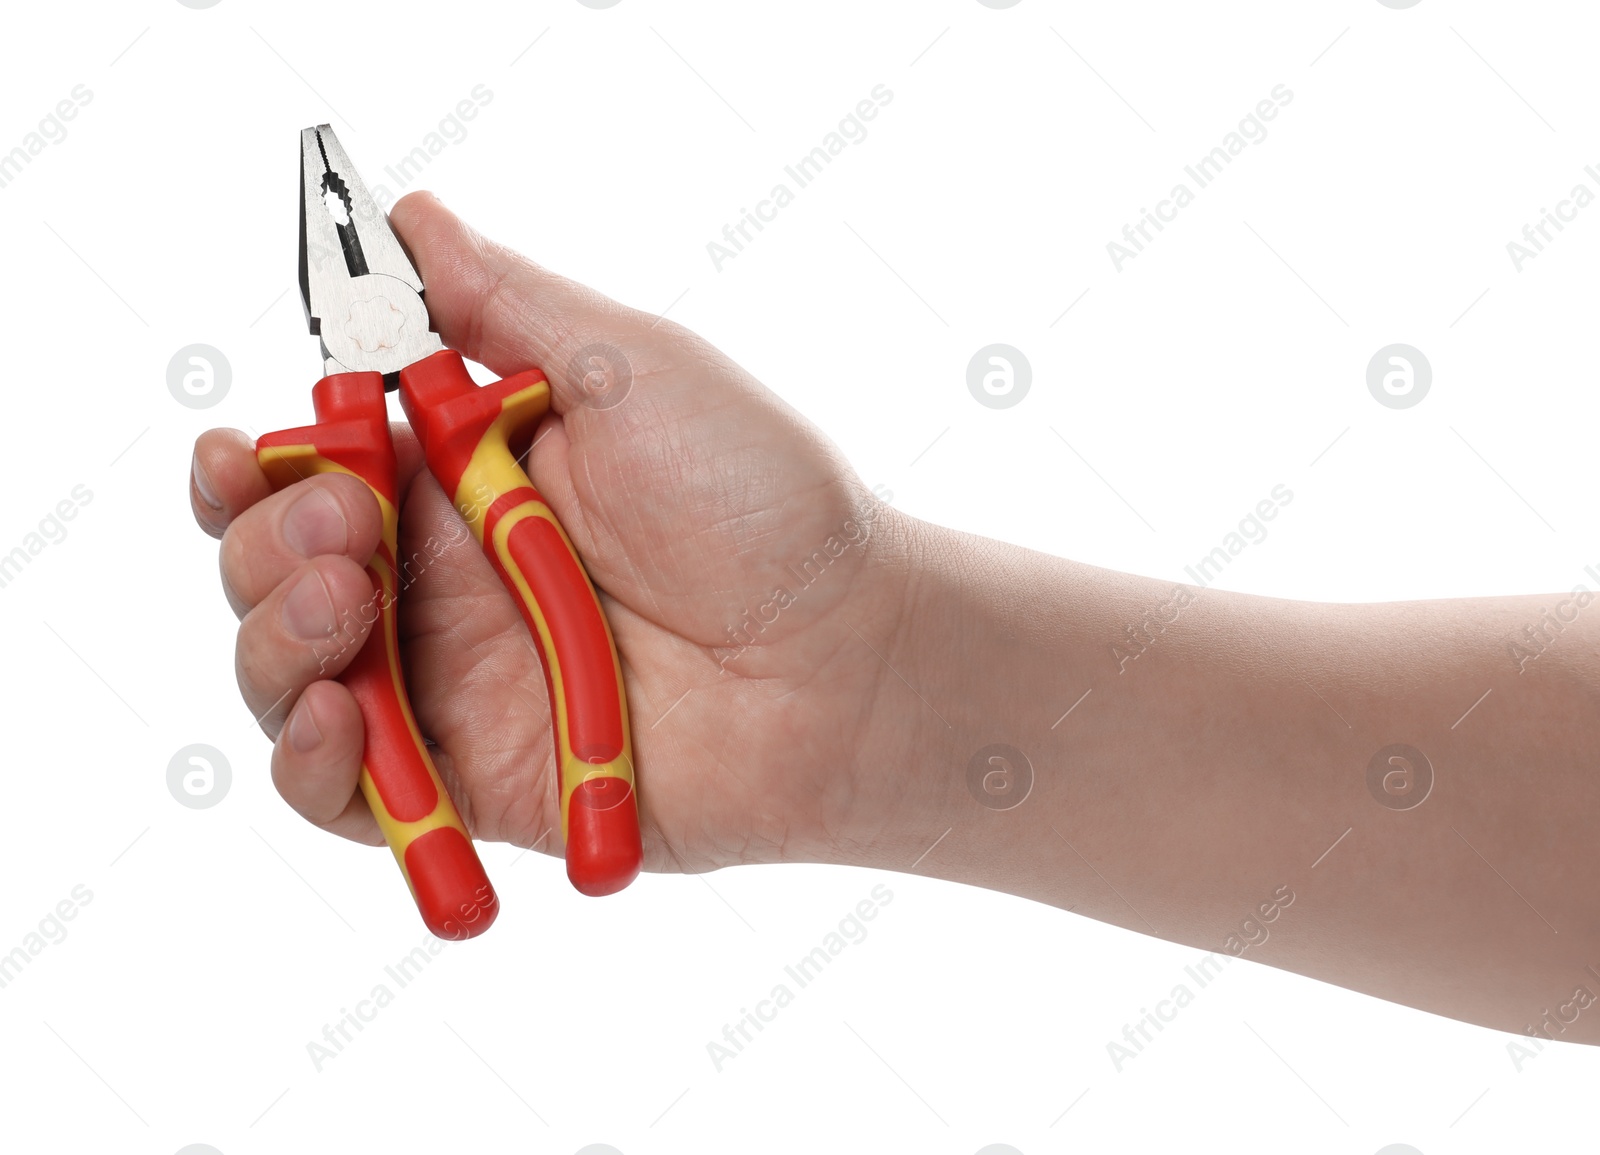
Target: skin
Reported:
[(1217, 763)]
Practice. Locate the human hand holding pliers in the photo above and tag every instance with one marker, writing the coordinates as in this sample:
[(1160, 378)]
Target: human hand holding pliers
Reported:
[(363, 297)]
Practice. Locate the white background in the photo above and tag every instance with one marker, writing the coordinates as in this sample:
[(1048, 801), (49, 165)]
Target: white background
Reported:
[(1228, 358)]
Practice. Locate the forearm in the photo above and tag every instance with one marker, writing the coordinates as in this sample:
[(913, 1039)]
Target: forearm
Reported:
[(1192, 773)]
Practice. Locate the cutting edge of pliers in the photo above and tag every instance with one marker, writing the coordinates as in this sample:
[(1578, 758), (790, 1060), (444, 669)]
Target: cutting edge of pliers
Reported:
[(362, 294)]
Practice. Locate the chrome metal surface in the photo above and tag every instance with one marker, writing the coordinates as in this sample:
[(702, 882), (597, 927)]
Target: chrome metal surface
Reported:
[(362, 294)]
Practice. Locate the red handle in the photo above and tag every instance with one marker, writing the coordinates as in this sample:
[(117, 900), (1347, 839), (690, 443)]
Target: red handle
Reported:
[(468, 435), (398, 777)]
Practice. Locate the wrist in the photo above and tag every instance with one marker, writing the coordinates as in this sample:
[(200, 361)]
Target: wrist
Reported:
[(957, 664), (985, 717)]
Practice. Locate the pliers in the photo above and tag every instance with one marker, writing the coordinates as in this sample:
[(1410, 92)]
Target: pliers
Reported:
[(363, 298)]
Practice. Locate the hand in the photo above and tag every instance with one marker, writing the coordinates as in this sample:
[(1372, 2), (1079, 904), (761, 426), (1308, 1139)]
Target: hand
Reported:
[(735, 551)]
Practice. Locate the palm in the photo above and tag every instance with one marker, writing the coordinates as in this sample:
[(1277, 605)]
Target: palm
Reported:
[(691, 503)]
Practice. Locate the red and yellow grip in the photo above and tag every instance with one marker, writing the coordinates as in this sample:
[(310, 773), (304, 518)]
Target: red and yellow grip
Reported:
[(398, 777), (471, 436)]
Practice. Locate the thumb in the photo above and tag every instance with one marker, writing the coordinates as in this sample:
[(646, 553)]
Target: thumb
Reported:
[(509, 314)]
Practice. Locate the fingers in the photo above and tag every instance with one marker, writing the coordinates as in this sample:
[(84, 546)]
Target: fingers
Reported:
[(316, 763), (330, 514), (224, 479), (309, 628), (502, 310), (292, 567)]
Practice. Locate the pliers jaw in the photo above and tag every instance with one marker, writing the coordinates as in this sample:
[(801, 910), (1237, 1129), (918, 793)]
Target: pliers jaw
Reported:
[(361, 293)]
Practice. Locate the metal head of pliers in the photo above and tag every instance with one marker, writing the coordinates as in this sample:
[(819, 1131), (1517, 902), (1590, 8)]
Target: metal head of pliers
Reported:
[(362, 294)]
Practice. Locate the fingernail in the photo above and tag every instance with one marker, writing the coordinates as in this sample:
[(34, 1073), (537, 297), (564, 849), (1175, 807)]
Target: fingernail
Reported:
[(315, 525), (202, 484), (304, 736), (308, 610)]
